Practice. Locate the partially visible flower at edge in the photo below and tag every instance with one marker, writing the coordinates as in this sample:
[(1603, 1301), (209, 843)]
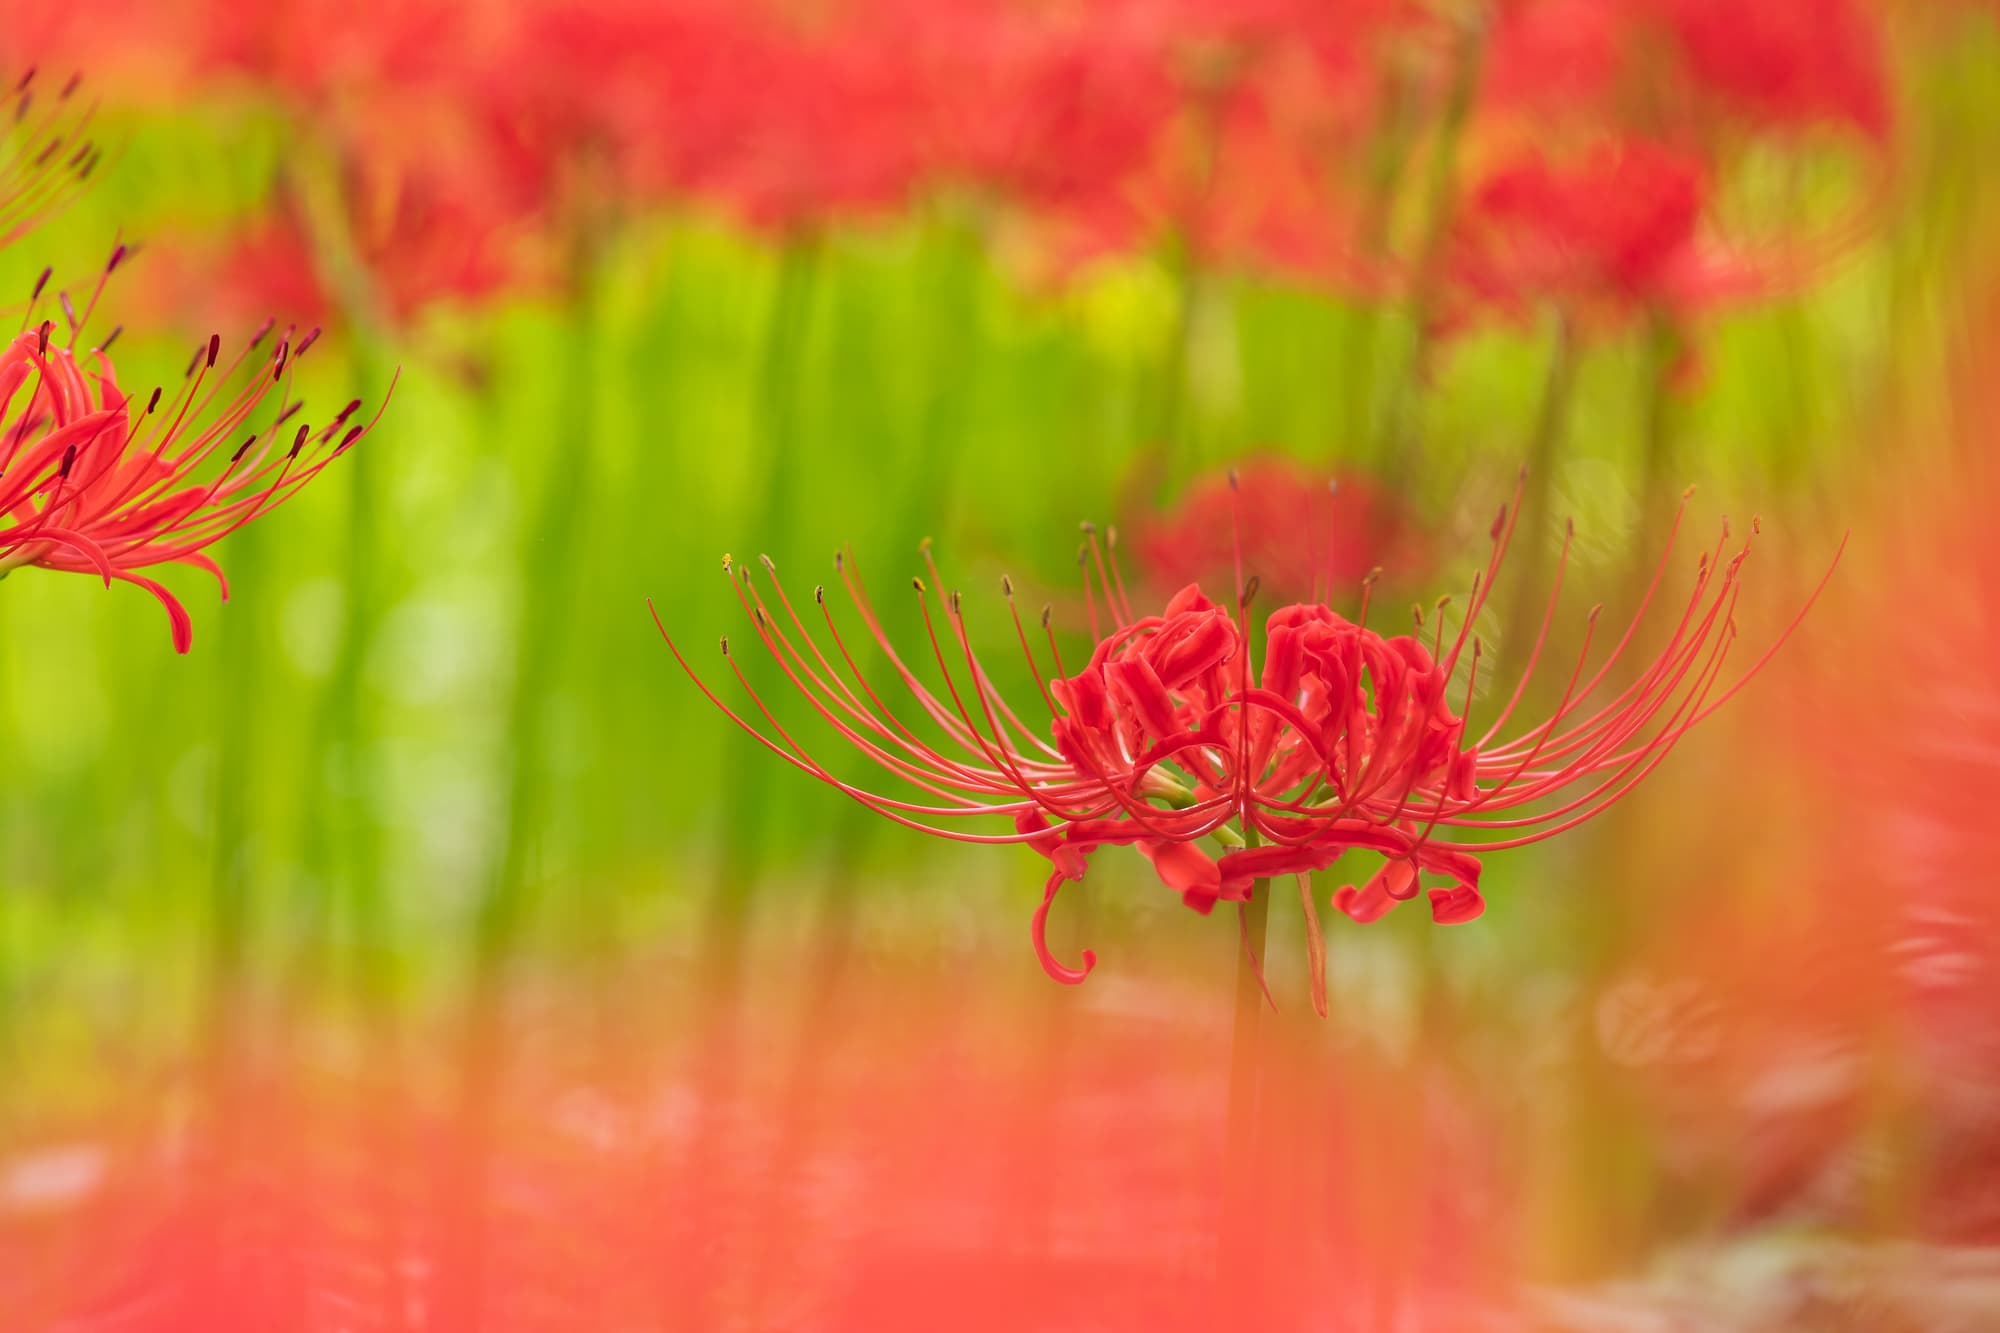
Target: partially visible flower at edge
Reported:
[(50, 156), (1345, 739), (94, 481)]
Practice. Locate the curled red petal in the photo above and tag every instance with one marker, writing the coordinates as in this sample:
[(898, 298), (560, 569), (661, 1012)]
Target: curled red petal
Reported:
[(1456, 905), (1365, 904), (1038, 932), (177, 616)]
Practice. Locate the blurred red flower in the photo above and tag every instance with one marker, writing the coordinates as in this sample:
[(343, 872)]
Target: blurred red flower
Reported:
[(48, 156), (1304, 535), (1611, 232)]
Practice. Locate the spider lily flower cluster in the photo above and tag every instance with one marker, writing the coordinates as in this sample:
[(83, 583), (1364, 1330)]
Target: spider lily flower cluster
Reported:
[(1181, 729), (96, 481)]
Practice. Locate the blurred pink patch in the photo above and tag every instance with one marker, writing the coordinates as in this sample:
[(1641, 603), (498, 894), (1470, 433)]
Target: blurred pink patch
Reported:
[(1305, 535)]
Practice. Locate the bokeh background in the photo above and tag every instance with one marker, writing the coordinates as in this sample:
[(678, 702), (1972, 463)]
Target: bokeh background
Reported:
[(422, 951)]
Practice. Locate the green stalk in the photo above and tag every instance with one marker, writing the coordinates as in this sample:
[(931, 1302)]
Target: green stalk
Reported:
[(225, 996), (1403, 436), (732, 898), (1241, 1240), (1530, 597), (953, 284), (547, 581)]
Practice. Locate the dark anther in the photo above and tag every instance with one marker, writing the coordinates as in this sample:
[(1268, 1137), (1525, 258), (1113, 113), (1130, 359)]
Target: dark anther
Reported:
[(725, 645), (1088, 528), (299, 441), (819, 593), (918, 584), (770, 565), (1249, 592), (954, 601), (242, 449), (289, 413), (1045, 616), (42, 348), (214, 348), (153, 402), (112, 337), (40, 283), (69, 460), (1006, 586)]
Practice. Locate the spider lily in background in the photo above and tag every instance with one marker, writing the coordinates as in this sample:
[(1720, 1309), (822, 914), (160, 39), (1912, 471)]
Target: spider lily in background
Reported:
[(1178, 729), (94, 481), (50, 157), (1302, 531)]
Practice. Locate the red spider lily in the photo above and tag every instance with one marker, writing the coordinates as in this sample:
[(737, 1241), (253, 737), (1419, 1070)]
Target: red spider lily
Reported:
[(51, 155), (94, 482), (1304, 534), (1784, 63), (1614, 231), (1343, 739)]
